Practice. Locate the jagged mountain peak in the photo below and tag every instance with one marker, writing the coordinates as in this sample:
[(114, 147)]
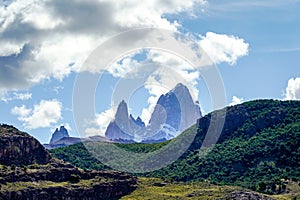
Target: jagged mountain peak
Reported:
[(175, 110), (59, 134)]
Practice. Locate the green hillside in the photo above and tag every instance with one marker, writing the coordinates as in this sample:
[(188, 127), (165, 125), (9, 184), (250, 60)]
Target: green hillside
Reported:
[(259, 149)]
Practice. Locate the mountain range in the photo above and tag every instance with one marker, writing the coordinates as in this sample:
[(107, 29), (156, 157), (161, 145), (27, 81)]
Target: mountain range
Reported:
[(174, 112)]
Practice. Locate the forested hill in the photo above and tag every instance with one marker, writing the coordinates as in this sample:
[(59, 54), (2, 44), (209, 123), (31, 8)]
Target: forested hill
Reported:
[(259, 148)]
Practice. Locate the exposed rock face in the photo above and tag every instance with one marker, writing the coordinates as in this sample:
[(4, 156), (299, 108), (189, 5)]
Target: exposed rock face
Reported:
[(244, 195), (124, 127), (18, 148), (173, 113), (59, 134), (62, 181), (27, 171)]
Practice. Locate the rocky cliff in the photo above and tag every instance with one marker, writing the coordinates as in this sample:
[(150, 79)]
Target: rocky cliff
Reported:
[(18, 148), (59, 134), (28, 171)]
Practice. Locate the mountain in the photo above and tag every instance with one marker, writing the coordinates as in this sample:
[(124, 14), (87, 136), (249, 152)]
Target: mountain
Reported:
[(124, 126), (258, 149), (173, 113), (28, 171), (59, 134)]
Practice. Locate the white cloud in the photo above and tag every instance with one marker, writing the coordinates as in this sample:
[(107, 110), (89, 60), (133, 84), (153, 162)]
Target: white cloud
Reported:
[(99, 125), (236, 100), (42, 115), (21, 111), (11, 96), (223, 48), (57, 36), (3, 95), (292, 92), (22, 96), (126, 67)]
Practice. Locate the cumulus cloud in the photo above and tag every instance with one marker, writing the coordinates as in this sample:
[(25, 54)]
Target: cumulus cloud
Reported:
[(223, 48), (292, 91), (236, 100), (57, 36), (42, 115)]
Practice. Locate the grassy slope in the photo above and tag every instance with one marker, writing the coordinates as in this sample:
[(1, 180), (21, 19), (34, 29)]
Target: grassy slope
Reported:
[(197, 190)]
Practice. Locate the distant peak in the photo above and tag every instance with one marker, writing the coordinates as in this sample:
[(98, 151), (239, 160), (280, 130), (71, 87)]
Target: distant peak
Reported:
[(122, 104), (180, 89), (180, 85)]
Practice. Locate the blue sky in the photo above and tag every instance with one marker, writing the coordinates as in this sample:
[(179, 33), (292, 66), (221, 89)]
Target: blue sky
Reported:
[(43, 45)]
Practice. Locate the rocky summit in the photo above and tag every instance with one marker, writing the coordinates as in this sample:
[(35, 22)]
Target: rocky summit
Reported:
[(124, 126), (28, 171), (174, 112), (59, 134)]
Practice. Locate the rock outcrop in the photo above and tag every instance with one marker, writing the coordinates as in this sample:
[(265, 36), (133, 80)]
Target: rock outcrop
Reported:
[(245, 195), (18, 148), (173, 113), (59, 134), (28, 171)]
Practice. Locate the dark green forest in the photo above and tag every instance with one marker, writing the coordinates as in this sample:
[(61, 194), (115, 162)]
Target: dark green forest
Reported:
[(259, 149)]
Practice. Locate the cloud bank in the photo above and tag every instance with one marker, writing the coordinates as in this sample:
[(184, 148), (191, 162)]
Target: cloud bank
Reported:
[(41, 39)]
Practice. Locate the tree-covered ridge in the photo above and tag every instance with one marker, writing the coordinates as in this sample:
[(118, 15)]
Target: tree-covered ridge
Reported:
[(259, 146), (257, 149)]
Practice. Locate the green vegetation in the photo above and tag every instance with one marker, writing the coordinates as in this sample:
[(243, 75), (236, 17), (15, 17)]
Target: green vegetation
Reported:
[(78, 156), (157, 189), (16, 186), (259, 149), (142, 148), (149, 189)]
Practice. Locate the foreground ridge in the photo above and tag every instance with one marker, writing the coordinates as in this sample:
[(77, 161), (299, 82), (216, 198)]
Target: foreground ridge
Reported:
[(28, 171)]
